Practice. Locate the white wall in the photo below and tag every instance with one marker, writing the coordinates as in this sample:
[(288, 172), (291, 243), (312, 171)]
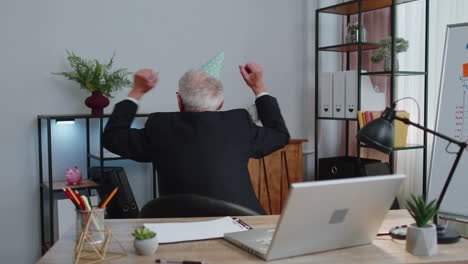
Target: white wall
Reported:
[(169, 36)]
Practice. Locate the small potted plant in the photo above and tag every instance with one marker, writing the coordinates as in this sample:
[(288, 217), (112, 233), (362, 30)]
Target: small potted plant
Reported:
[(384, 52), (421, 238), (145, 242), (352, 33), (97, 78)]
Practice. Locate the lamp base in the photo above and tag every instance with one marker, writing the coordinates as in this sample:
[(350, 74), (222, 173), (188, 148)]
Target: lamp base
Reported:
[(446, 235)]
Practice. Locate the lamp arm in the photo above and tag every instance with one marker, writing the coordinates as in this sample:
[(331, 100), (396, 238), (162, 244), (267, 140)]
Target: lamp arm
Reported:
[(462, 146), (450, 175)]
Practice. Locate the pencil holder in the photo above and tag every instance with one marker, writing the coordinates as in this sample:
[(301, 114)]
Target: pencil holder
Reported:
[(94, 219), (95, 242)]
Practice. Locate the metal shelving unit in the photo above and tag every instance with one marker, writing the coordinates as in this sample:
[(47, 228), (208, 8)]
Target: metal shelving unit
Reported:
[(52, 190), (358, 7)]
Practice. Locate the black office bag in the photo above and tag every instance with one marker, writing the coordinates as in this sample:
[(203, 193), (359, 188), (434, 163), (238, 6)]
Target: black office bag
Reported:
[(123, 205), (342, 167)]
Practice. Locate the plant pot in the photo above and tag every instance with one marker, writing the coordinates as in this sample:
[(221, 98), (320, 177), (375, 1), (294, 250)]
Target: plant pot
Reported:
[(421, 241), (352, 34), (388, 64), (97, 102), (146, 247)]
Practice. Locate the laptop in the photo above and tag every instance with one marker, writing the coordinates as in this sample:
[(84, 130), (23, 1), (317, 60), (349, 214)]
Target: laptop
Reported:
[(324, 215)]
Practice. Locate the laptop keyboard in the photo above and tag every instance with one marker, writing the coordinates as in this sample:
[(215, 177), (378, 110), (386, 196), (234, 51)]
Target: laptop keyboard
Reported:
[(264, 242)]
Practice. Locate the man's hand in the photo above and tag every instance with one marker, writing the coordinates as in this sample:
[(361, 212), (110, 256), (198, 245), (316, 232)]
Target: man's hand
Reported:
[(253, 77), (144, 80)]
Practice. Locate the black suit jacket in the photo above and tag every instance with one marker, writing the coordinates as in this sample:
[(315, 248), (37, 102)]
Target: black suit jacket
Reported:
[(205, 153)]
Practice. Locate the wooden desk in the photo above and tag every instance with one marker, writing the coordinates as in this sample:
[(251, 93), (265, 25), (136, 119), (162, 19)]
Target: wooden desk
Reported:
[(218, 251)]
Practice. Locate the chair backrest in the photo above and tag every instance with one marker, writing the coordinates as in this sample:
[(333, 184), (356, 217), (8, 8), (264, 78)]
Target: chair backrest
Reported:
[(192, 205)]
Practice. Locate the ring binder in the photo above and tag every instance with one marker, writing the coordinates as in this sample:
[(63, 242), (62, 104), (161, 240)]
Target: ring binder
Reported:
[(242, 223)]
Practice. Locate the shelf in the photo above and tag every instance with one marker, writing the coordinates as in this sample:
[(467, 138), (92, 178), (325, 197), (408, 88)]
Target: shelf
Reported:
[(107, 156), (396, 73), (59, 185), (408, 146), (350, 47), (361, 51), (336, 118), (83, 116), (352, 7), (55, 188)]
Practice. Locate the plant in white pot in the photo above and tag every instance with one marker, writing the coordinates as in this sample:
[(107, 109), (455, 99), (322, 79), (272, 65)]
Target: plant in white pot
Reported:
[(145, 242), (421, 237)]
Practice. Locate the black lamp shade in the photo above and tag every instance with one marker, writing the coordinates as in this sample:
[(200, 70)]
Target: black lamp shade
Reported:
[(378, 134)]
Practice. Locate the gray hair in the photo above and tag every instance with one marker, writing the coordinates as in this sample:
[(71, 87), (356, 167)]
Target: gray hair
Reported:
[(200, 91)]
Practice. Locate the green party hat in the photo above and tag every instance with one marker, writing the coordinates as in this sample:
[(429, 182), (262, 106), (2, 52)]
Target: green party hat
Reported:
[(214, 66)]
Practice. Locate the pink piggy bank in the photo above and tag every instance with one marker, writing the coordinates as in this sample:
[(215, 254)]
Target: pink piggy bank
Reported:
[(73, 176)]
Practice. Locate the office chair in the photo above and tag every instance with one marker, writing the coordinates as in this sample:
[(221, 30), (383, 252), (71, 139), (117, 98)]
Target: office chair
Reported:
[(192, 205)]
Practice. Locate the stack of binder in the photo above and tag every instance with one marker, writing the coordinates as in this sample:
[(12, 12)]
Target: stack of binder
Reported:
[(338, 94), (401, 129)]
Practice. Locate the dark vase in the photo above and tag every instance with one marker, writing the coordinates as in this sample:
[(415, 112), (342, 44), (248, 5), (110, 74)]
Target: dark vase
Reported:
[(97, 102)]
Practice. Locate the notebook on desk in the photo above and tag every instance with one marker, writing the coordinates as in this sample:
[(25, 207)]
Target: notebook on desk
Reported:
[(324, 215), (192, 231)]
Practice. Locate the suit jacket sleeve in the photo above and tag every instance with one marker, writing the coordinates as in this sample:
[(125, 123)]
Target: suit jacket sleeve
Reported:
[(127, 142), (274, 134)]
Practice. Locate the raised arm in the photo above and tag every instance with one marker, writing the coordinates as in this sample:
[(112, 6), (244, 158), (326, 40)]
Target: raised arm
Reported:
[(118, 137), (274, 134)]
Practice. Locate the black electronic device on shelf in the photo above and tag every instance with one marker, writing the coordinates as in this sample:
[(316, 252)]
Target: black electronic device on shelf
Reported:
[(342, 167), (123, 205)]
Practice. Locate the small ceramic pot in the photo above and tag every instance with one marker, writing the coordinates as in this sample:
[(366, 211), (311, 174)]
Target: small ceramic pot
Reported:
[(97, 102), (421, 241), (146, 247), (388, 64)]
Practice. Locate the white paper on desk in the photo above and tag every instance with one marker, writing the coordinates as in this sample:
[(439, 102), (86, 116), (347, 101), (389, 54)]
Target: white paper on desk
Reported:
[(189, 231)]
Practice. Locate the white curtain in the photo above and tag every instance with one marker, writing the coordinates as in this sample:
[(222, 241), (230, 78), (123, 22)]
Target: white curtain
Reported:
[(411, 19)]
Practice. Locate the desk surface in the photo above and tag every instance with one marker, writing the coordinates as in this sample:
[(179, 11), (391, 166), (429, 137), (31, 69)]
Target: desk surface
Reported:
[(382, 250)]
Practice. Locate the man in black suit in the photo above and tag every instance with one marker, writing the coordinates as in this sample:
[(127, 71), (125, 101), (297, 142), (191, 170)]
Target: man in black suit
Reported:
[(200, 150)]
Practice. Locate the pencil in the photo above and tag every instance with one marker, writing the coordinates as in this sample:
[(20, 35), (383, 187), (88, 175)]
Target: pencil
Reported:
[(104, 204), (76, 198), (82, 202), (71, 198)]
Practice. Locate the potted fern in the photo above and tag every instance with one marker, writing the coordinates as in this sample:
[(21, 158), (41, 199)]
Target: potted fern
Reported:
[(421, 238), (384, 52), (145, 242), (96, 77)]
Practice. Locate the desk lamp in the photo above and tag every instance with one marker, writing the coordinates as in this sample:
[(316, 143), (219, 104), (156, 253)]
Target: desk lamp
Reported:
[(378, 134)]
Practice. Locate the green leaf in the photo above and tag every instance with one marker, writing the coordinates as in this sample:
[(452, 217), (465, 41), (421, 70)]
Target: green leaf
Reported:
[(95, 76), (421, 211)]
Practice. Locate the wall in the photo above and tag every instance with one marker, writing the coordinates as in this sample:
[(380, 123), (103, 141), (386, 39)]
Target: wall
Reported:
[(169, 36)]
